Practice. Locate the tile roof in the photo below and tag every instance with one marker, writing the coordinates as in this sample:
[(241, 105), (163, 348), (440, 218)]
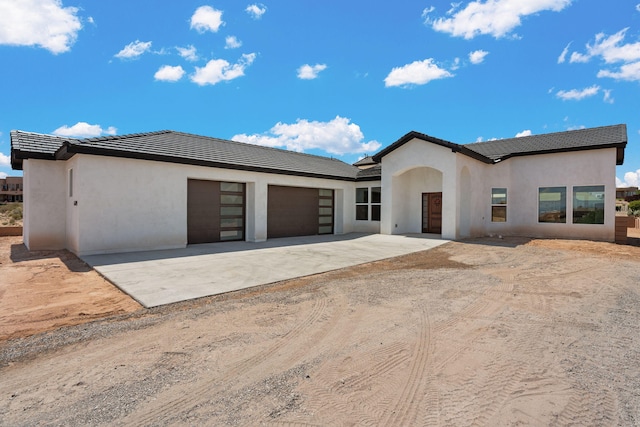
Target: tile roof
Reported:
[(373, 173), (178, 147), (366, 161), (614, 136), (582, 139)]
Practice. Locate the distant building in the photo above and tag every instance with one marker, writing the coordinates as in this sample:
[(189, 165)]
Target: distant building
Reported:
[(11, 189), (624, 192)]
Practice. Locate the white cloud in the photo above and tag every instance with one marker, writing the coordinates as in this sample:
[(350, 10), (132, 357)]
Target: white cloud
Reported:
[(630, 72), (418, 73), (607, 96), (576, 94), (218, 70), (3, 175), (133, 50), (523, 133), (563, 56), (631, 179), (231, 42), (206, 18), (493, 17), (610, 48), (5, 161), (188, 53), (256, 10), (477, 56), (638, 7), (167, 73), (338, 136), (84, 130), (43, 23), (310, 72), (613, 50)]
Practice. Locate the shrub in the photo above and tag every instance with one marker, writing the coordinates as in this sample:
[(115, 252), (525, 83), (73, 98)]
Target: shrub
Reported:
[(12, 211), (634, 207)]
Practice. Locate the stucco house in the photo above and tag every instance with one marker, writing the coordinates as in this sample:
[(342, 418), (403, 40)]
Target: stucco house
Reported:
[(169, 189)]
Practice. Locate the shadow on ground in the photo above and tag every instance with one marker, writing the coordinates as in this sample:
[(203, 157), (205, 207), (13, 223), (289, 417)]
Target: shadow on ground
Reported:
[(20, 253)]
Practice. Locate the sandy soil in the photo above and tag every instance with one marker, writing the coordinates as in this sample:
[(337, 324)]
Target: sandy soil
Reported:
[(44, 290), (483, 332)]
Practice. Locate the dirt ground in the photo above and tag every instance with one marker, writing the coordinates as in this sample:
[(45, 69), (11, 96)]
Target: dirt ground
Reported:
[(481, 332), (44, 290)]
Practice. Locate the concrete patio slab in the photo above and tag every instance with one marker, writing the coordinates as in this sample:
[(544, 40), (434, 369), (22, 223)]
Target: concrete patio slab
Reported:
[(156, 278)]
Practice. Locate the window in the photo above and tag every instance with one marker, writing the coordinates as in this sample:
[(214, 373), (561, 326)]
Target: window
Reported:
[(70, 182), (498, 205), (376, 199), (552, 204), (362, 204), (232, 196), (588, 204), (325, 211), (366, 204)]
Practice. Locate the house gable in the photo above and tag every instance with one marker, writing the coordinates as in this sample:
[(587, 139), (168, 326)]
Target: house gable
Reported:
[(491, 152)]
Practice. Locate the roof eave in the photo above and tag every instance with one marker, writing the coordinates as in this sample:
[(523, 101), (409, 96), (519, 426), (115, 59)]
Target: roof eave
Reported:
[(17, 156), (618, 146)]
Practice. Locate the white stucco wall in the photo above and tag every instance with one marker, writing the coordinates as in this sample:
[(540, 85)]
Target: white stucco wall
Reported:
[(44, 217), (419, 167), (415, 168), (128, 205), (131, 205), (523, 176)]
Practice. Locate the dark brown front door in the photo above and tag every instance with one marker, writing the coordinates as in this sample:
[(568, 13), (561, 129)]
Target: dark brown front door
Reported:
[(432, 213)]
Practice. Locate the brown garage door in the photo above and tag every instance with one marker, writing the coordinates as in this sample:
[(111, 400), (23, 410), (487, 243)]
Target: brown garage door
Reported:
[(215, 211), (297, 211)]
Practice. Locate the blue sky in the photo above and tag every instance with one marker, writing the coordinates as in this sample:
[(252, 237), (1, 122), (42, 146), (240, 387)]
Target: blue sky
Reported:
[(334, 78)]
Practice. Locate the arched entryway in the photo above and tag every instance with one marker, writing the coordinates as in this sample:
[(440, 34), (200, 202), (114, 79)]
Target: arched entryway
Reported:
[(417, 201)]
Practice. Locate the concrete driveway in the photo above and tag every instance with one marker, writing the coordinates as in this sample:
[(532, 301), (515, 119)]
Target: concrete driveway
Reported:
[(156, 278)]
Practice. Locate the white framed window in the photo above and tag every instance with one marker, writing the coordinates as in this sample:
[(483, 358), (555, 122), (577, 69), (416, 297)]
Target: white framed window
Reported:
[(498, 205), (368, 203), (362, 204), (376, 203)]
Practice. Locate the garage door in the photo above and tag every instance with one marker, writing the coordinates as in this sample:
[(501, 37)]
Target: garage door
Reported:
[(215, 211), (297, 211)]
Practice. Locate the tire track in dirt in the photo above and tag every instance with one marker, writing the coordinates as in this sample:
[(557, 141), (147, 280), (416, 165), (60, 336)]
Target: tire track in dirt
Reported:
[(161, 409), (357, 380), (407, 405)]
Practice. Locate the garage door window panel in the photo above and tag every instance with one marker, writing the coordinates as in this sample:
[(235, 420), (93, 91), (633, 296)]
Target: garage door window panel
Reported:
[(232, 211)]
